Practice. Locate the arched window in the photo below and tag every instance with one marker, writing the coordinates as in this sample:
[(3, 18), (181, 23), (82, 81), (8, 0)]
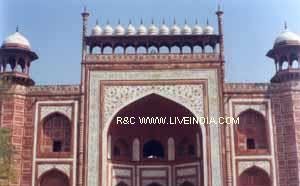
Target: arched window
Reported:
[(119, 50), (121, 149), (254, 177), (141, 50), (186, 49), (54, 177), (107, 50), (96, 50), (175, 50), (186, 148), (251, 132), (152, 50), (56, 134), (130, 50), (153, 149), (164, 50), (197, 49)]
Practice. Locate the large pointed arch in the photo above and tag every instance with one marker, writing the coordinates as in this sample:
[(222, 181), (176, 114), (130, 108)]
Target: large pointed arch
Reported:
[(254, 176), (198, 132), (54, 177)]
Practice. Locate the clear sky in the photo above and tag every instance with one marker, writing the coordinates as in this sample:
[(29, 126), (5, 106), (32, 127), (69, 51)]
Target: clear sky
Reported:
[(54, 29)]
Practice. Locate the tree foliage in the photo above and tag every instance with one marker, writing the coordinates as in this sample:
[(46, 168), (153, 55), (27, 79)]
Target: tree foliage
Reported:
[(7, 172)]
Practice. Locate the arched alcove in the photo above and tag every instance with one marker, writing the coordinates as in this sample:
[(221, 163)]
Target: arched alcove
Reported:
[(175, 50), (55, 134), (152, 50), (121, 149), (119, 50), (164, 50), (130, 50), (153, 149), (141, 50), (254, 176), (186, 49), (153, 136), (251, 133), (96, 50), (54, 178), (107, 50), (197, 49)]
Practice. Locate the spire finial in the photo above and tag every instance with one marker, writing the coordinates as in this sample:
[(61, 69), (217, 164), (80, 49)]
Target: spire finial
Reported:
[(119, 21), (219, 6), (142, 22), (17, 28), (285, 25), (174, 21), (152, 21), (207, 22), (84, 9), (130, 22), (185, 21)]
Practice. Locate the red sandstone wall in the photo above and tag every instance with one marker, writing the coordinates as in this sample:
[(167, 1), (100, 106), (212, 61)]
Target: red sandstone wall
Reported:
[(286, 114), (17, 114)]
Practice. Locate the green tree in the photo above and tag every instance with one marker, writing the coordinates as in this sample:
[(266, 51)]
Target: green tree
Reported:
[(7, 172)]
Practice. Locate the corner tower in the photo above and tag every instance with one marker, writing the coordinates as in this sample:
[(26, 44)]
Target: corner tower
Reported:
[(285, 96), (286, 55), (15, 106)]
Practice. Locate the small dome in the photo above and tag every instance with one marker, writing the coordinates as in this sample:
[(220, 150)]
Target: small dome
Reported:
[(97, 30), (164, 29), (152, 30), (142, 30), (186, 30), (197, 30), (16, 40), (175, 30), (130, 29), (208, 30), (108, 30), (287, 37), (119, 30)]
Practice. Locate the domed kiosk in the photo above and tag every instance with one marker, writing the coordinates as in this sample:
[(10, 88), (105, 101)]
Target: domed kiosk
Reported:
[(15, 59), (286, 53)]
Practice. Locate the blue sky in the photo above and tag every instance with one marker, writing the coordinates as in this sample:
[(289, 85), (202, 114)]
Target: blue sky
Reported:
[(54, 30)]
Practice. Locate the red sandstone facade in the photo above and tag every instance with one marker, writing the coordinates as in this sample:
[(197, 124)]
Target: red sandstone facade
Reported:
[(69, 134)]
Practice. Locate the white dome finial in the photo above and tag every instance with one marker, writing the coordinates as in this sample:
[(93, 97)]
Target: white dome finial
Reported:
[(164, 29), (208, 30), (186, 30), (142, 30), (152, 30), (16, 40), (108, 30), (130, 29), (119, 30), (197, 30), (97, 30)]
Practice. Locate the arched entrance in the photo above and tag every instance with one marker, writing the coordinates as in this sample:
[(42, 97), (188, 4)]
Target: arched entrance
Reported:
[(54, 178), (155, 120), (254, 177)]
